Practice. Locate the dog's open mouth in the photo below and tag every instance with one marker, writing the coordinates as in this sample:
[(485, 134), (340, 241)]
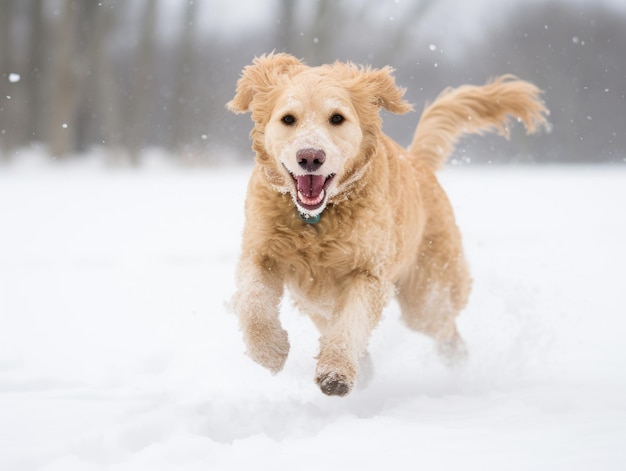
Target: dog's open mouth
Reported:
[(311, 190)]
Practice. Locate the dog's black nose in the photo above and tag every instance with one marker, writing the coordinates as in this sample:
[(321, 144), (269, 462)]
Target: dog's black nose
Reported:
[(310, 159)]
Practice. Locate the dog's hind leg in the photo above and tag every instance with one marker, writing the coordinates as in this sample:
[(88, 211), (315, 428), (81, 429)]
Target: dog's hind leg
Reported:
[(432, 295)]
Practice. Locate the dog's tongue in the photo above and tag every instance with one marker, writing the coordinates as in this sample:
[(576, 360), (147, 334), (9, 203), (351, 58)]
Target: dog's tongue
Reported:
[(311, 185)]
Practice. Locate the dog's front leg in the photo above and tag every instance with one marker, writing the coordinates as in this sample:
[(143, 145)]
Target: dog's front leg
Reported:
[(256, 303), (344, 339)]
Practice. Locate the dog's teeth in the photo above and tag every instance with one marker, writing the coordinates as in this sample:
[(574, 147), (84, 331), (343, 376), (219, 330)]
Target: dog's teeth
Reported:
[(312, 201)]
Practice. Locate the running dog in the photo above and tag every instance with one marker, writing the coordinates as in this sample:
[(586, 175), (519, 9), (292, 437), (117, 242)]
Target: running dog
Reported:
[(344, 218)]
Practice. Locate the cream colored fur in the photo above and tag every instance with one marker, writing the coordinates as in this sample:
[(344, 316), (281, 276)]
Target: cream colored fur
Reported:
[(386, 227)]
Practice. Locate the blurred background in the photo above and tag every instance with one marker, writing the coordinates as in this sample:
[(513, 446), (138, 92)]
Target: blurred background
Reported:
[(127, 77)]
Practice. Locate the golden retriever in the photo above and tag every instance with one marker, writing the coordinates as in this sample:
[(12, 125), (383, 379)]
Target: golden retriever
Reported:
[(344, 218)]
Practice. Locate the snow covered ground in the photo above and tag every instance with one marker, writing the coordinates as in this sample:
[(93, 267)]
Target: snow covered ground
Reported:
[(117, 353)]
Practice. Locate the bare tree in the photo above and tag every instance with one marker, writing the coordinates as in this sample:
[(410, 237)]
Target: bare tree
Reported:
[(106, 83), (92, 76), (184, 78), (61, 126), (143, 83), (34, 75), (6, 65)]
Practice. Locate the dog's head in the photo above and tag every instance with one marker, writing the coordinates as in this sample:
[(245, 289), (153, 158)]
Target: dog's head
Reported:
[(316, 128)]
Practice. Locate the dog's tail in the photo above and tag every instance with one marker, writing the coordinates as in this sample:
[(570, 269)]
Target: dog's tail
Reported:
[(475, 110)]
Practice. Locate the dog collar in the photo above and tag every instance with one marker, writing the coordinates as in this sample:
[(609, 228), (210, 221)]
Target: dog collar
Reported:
[(310, 220)]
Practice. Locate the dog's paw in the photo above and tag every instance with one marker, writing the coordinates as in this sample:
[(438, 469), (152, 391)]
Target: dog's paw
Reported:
[(335, 373), (334, 384), (267, 344)]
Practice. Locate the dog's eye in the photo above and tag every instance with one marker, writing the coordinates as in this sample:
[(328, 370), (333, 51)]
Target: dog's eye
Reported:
[(288, 120), (337, 119)]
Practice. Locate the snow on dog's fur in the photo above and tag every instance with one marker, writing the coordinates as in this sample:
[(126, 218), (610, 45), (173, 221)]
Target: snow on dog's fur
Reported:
[(345, 218)]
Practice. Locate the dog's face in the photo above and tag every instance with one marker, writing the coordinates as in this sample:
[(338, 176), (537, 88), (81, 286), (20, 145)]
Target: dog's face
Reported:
[(313, 132), (315, 128)]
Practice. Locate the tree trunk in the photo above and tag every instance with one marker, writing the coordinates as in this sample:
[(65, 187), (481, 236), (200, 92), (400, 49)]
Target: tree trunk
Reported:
[(34, 74), (184, 75), (107, 103), (143, 88), (6, 64), (62, 121)]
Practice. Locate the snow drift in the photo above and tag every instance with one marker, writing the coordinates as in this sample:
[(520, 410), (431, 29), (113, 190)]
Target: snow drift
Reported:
[(117, 353)]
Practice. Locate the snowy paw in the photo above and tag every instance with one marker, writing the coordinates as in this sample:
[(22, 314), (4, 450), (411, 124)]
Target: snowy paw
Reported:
[(334, 384), (335, 374), (267, 344)]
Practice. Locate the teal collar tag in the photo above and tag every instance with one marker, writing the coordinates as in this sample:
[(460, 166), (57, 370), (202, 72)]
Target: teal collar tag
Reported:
[(311, 220)]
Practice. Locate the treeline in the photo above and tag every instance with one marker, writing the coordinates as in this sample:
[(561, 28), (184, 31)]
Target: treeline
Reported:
[(80, 73)]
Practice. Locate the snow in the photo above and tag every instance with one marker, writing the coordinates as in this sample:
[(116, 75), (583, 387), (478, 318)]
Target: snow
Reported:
[(117, 351)]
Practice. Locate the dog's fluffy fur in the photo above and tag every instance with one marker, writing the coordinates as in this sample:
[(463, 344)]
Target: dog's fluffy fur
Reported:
[(385, 225)]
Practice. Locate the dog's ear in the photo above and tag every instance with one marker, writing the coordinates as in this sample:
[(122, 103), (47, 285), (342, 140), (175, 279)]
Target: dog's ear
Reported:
[(379, 86), (384, 90), (262, 76)]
